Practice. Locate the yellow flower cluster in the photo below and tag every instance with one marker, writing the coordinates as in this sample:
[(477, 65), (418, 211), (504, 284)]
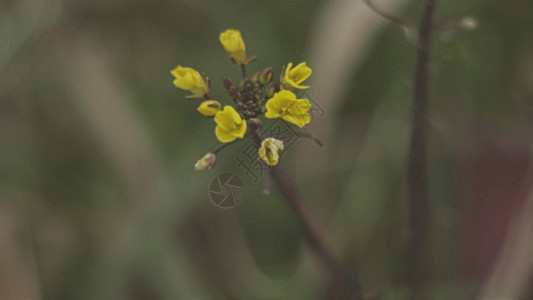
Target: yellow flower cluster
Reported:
[(253, 96)]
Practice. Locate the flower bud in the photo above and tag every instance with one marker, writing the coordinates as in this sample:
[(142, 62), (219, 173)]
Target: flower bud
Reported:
[(271, 89), (228, 83), (269, 149), (209, 108), (189, 79), (232, 42), (232, 91), (266, 76), (254, 123), (206, 162), (255, 77)]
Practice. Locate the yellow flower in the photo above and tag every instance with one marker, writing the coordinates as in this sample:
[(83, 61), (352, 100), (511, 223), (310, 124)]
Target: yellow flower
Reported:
[(269, 150), (232, 41), (190, 80), (206, 162), (292, 77), (285, 105), (230, 125), (209, 108)]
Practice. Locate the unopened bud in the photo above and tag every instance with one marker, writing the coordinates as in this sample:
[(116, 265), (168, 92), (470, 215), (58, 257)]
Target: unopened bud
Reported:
[(228, 83), (266, 76), (271, 89), (209, 108), (254, 123), (255, 77), (232, 91), (206, 162)]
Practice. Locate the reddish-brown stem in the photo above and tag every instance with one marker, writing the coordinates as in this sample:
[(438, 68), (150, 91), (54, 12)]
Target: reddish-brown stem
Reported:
[(243, 70), (417, 161), (222, 146), (340, 287)]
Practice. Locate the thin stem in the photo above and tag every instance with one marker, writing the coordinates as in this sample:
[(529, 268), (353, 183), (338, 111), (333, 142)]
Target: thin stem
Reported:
[(308, 135), (417, 163), (222, 147), (243, 70), (340, 287)]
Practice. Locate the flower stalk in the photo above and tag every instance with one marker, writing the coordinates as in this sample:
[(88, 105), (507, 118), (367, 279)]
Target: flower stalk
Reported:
[(340, 286), (254, 97)]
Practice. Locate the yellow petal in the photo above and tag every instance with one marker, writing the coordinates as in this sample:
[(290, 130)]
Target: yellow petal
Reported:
[(293, 77), (300, 73), (272, 110), (230, 125), (241, 130), (226, 118), (299, 120), (224, 136), (233, 114), (190, 80), (299, 107)]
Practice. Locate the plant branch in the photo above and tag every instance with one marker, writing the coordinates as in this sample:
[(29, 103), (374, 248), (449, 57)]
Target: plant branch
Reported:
[(222, 146), (417, 163), (243, 70), (340, 287)]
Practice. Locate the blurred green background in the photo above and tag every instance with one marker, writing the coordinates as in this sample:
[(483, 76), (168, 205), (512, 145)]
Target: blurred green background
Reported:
[(99, 198)]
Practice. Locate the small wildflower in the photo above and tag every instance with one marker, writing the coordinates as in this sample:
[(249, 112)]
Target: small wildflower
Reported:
[(269, 150), (230, 125), (285, 105), (232, 41), (206, 162), (291, 78), (209, 108), (254, 96), (190, 80)]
